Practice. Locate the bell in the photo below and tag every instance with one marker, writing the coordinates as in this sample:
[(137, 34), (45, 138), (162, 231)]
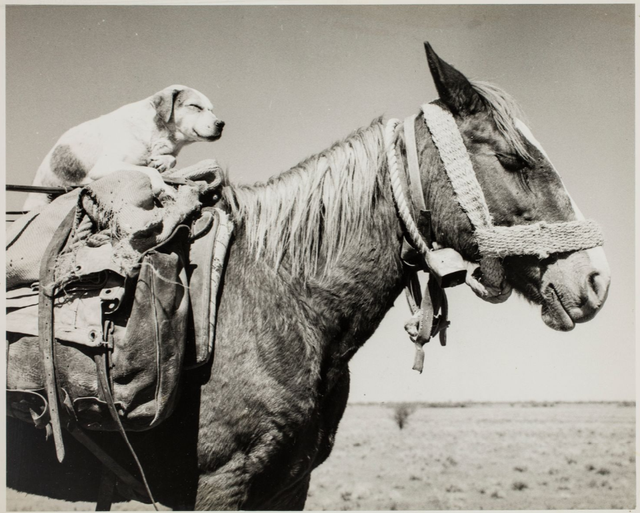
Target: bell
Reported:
[(447, 267)]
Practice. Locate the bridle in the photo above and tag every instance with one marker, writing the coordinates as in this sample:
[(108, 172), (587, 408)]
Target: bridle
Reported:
[(494, 242)]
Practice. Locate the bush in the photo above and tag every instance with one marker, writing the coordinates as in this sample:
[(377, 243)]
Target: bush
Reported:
[(519, 486), (401, 414)]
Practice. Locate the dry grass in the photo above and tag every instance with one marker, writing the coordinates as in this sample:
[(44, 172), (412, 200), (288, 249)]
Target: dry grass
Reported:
[(500, 457)]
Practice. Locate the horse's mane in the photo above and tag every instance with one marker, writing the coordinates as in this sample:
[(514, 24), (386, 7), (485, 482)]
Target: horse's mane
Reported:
[(312, 211)]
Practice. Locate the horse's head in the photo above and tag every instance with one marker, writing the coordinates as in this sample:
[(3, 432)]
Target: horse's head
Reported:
[(521, 189)]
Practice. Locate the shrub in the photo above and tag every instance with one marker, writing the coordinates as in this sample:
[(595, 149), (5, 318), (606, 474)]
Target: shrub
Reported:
[(519, 486), (401, 414)]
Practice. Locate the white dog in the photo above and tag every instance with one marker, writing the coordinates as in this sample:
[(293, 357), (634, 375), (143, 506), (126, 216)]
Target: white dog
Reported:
[(139, 136)]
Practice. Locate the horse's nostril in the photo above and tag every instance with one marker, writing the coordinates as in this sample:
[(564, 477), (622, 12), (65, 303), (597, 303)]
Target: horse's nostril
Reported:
[(597, 287)]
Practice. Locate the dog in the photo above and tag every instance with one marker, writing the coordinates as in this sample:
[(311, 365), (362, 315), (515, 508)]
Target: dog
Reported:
[(145, 136)]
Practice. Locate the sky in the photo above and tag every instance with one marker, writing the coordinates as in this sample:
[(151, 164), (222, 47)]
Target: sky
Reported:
[(291, 80)]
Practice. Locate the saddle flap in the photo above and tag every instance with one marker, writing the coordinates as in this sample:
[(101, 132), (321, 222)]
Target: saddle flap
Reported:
[(206, 264)]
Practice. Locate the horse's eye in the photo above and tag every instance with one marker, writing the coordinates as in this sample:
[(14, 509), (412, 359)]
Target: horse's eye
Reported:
[(511, 162)]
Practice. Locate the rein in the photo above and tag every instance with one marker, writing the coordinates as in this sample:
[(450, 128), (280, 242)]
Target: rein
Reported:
[(494, 242)]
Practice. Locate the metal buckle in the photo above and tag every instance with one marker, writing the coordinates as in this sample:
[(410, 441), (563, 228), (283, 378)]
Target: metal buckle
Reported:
[(107, 334)]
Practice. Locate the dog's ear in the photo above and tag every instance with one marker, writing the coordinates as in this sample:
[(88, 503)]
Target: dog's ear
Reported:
[(163, 101)]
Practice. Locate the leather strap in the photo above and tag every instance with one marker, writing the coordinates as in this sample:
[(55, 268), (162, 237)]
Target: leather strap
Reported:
[(412, 291), (123, 475), (444, 320), (415, 182), (103, 382), (428, 312), (45, 325), (105, 489)]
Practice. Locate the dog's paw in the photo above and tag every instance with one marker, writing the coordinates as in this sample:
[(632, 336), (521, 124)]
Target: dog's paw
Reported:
[(162, 162), (158, 187)]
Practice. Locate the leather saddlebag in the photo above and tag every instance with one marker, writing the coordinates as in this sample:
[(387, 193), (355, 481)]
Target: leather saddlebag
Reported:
[(117, 338)]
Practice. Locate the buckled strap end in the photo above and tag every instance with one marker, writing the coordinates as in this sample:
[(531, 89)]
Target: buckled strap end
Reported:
[(46, 334)]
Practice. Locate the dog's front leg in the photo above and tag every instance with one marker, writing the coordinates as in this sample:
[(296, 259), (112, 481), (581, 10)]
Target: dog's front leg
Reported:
[(163, 153), (162, 162)]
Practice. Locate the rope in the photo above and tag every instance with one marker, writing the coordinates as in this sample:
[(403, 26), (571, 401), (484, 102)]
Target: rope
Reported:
[(496, 242), (539, 239), (416, 238), (459, 169), (454, 155)]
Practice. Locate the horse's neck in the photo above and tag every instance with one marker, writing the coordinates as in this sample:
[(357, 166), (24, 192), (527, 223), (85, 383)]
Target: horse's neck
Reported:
[(364, 283), (344, 298), (348, 301)]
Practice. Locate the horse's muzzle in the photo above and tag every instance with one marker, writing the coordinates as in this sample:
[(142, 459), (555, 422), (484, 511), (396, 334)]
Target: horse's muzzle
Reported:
[(574, 288)]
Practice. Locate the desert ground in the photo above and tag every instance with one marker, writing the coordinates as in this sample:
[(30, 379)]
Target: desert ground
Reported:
[(463, 456), (470, 457)]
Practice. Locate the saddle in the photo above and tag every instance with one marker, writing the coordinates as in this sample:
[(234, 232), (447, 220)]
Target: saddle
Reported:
[(120, 310)]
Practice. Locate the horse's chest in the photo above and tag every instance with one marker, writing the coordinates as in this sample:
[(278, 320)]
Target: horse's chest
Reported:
[(270, 442)]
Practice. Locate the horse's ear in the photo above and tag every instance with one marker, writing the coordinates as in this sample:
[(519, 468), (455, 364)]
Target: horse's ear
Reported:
[(455, 90), (163, 101)]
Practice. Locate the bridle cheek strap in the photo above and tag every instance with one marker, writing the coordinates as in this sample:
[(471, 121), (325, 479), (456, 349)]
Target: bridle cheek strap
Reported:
[(415, 182)]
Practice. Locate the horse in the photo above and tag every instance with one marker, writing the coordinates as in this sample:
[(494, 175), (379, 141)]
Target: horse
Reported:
[(315, 263)]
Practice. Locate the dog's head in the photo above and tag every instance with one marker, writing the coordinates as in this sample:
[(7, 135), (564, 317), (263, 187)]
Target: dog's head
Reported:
[(187, 112)]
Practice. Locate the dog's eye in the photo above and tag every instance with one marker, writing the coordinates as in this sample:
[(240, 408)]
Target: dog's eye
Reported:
[(194, 106)]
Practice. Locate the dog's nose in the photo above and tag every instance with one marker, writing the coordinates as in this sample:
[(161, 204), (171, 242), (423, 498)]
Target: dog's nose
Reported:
[(219, 124)]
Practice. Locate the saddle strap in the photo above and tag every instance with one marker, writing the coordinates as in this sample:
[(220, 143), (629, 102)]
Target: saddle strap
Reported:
[(120, 472), (103, 381), (46, 328), (105, 489)]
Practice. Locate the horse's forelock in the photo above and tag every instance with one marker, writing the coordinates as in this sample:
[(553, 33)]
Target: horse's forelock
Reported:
[(308, 214), (505, 111)]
